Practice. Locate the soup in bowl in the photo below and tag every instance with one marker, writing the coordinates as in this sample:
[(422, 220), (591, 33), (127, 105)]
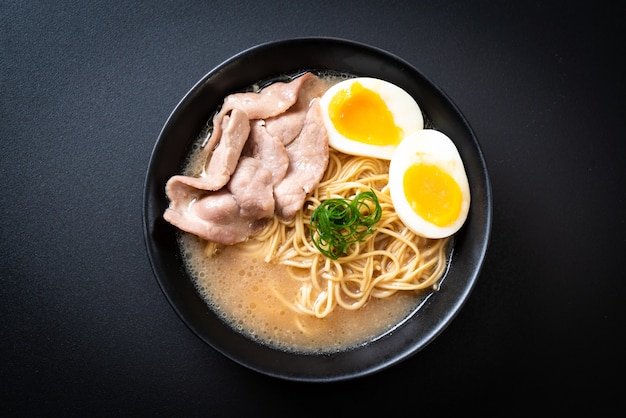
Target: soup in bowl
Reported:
[(288, 228)]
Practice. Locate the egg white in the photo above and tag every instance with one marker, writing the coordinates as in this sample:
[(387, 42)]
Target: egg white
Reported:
[(406, 113), (430, 147)]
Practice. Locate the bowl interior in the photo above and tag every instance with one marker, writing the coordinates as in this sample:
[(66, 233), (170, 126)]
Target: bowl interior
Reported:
[(181, 130)]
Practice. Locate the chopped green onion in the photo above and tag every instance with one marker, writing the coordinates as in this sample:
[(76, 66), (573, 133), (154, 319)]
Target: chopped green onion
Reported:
[(338, 223)]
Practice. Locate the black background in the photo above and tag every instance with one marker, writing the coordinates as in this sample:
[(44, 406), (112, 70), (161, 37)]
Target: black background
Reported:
[(85, 88)]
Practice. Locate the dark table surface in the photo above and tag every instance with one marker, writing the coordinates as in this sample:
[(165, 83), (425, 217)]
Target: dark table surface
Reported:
[(85, 88)]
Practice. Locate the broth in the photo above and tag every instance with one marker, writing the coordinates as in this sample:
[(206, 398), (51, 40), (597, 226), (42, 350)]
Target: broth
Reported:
[(242, 291)]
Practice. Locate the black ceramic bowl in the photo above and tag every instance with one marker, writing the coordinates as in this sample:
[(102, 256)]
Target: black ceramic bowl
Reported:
[(182, 129)]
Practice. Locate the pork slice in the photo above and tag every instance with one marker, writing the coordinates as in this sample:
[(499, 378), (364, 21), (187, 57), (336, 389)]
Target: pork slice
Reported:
[(251, 186), (223, 161), (213, 216), (268, 149), (226, 216), (308, 160), (269, 101), (180, 190), (288, 125), (179, 186)]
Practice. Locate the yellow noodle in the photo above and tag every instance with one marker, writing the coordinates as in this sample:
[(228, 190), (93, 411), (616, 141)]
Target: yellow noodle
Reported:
[(392, 259)]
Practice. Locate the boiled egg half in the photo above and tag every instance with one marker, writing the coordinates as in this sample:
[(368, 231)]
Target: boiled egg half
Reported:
[(368, 116), (428, 184)]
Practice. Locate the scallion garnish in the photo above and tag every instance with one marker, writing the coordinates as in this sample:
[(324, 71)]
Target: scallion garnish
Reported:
[(338, 223)]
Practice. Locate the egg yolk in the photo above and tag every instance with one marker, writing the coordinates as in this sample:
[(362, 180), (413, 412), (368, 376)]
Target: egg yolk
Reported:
[(362, 115), (433, 194)]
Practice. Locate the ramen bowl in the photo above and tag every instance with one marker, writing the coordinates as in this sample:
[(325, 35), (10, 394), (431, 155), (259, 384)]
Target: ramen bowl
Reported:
[(181, 131)]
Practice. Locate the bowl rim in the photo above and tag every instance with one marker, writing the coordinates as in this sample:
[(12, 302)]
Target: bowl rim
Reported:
[(461, 295)]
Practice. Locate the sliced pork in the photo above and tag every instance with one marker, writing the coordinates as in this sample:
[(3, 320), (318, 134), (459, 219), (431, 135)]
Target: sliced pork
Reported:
[(288, 125), (223, 161), (268, 149), (226, 216), (308, 159), (213, 216), (252, 187), (251, 175), (269, 101)]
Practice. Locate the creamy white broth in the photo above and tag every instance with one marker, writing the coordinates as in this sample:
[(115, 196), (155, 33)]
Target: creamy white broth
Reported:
[(242, 291)]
